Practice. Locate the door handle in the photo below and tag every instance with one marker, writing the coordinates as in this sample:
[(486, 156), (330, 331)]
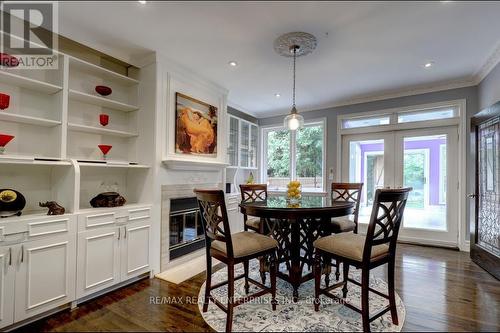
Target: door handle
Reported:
[(119, 233), (124, 232), (22, 253), (472, 195), (10, 256)]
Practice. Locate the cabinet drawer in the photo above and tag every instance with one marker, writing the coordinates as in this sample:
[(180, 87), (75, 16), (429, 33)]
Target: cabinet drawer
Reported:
[(49, 227), (139, 214), (97, 220)]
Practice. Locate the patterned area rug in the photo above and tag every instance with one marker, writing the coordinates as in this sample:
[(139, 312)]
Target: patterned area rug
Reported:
[(257, 315)]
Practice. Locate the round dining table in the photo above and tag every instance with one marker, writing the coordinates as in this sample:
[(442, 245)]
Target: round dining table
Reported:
[(296, 227)]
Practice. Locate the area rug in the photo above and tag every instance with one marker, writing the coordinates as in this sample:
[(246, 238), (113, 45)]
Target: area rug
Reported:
[(257, 315)]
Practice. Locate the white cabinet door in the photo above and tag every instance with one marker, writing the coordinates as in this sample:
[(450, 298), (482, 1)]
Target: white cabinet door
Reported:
[(254, 138), (7, 262), (232, 147), (46, 275), (135, 254), (98, 260)]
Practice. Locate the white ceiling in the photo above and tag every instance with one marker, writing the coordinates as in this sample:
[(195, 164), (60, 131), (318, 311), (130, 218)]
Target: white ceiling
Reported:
[(364, 48)]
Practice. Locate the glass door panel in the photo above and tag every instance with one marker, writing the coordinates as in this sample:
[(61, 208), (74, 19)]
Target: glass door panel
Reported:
[(253, 145), (424, 169), (232, 149), (244, 146)]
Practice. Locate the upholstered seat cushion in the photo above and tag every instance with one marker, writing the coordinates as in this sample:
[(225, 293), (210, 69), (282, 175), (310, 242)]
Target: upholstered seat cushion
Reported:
[(342, 224), (349, 245), (246, 243), (253, 222)]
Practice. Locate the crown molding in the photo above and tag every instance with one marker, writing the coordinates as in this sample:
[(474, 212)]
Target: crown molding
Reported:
[(489, 64), (241, 108)]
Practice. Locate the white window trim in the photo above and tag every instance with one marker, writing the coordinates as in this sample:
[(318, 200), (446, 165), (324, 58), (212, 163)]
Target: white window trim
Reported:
[(293, 171)]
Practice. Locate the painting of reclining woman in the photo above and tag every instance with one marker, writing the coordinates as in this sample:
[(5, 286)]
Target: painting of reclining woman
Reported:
[(196, 127)]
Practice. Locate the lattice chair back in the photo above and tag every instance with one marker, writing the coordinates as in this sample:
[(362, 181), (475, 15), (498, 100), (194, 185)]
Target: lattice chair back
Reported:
[(214, 218), (253, 192), (385, 220), (348, 192)]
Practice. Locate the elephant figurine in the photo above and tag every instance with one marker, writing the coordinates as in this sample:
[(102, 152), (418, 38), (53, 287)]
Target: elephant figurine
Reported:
[(54, 208)]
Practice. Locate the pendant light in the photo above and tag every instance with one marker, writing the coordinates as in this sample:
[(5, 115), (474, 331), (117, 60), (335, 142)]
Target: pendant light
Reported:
[(294, 120), (294, 44)]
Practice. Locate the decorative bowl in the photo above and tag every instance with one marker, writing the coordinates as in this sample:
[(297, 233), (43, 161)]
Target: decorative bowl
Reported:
[(4, 101), (8, 60), (103, 90)]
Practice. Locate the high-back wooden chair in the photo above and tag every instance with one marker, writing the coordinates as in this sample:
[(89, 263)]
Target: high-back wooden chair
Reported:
[(232, 249), (378, 247), (253, 193), (346, 192)]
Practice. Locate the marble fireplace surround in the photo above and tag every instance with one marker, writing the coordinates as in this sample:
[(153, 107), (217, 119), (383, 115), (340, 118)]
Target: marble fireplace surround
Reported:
[(169, 192)]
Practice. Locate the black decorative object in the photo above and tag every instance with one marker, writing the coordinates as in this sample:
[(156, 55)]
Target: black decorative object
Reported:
[(54, 208), (228, 187), (11, 202), (107, 199)]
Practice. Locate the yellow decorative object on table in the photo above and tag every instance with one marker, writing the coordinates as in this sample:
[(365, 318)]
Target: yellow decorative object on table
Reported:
[(294, 192)]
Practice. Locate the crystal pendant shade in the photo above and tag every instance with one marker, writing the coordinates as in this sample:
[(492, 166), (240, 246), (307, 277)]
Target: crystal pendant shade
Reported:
[(293, 121)]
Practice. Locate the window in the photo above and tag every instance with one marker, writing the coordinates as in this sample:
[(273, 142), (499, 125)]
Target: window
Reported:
[(295, 155), (366, 121), (424, 115)]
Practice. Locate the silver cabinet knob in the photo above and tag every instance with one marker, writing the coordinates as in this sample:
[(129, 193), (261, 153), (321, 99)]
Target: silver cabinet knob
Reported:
[(472, 195)]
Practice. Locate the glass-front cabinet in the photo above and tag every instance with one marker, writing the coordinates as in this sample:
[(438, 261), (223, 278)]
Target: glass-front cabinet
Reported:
[(243, 143)]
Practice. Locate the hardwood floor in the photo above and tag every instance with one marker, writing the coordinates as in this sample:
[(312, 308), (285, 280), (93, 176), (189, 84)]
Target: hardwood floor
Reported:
[(442, 290)]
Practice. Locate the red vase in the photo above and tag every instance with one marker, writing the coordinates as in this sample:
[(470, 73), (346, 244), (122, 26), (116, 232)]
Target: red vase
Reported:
[(4, 140), (8, 61), (103, 90), (4, 101), (105, 149), (104, 119)]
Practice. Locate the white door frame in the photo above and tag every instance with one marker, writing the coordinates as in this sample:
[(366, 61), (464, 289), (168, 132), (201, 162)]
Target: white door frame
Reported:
[(460, 120)]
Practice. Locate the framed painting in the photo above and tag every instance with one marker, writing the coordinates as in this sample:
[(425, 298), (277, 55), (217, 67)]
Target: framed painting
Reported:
[(195, 127)]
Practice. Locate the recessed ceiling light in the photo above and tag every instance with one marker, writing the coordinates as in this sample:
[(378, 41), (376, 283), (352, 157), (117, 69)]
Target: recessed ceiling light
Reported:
[(428, 64), (233, 63), (277, 95), (142, 2)]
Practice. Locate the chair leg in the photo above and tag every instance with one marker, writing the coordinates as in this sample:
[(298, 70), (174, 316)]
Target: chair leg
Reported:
[(317, 280), (365, 309), (392, 297), (327, 263), (345, 268), (247, 285), (230, 297), (273, 272), (337, 270), (262, 261), (208, 283)]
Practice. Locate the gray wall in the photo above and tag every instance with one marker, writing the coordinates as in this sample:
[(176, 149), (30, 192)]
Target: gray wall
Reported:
[(242, 115), (470, 94), (489, 88)]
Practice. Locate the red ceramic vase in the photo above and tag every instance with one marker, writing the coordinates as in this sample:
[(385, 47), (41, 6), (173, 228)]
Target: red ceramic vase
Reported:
[(4, 101), (104, 119), (103, 90), (4, 140), (8, 61), (105, 149)]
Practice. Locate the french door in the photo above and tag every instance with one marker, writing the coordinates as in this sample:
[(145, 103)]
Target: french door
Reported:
[(424, 159)]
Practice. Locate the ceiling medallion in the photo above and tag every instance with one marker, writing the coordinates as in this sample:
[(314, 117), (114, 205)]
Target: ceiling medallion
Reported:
[(284, 44)]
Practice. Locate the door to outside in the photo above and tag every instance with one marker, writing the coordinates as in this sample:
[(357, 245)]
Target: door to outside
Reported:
[(425, 160)]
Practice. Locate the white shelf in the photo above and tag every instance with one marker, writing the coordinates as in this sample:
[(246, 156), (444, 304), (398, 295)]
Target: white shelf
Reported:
[(100, 130), (178, 164), (23, 159), (101, 101), (126, 206), (30, 214), (101, 72), (24, 82), (17, 118), (111, 164)]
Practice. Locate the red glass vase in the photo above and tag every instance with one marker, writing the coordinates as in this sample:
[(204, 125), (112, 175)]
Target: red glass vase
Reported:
[(4, 101), (104, 119)]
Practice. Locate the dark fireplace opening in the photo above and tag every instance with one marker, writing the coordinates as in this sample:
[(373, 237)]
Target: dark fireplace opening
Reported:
[(186, 229)]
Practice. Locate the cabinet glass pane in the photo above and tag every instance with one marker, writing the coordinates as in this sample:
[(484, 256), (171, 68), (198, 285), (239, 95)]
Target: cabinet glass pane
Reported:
[(245, 138), (253, 146), (232, 149)]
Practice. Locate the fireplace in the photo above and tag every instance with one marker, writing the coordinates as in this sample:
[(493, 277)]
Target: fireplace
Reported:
[(186, 229)]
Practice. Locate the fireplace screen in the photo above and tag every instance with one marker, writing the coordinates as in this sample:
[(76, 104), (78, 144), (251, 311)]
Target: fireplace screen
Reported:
[(186, 229)]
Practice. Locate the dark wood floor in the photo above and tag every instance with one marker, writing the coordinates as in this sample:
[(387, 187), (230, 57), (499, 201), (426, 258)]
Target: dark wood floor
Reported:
[(442, 290)]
